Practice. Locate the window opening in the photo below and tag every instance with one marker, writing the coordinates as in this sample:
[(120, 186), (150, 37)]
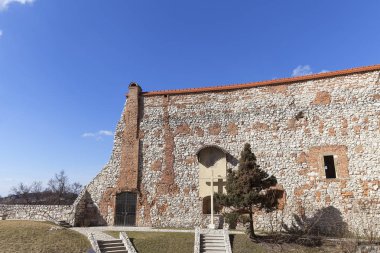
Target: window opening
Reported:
[(329, 166)]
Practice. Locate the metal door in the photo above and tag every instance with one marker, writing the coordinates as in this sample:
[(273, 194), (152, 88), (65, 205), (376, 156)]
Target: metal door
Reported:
[(126, 209)]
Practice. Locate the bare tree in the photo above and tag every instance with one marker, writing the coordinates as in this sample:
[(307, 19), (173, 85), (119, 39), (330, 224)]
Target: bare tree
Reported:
[(76, 188), (59, 185), (59, 191), (36, 189), (22, 190)]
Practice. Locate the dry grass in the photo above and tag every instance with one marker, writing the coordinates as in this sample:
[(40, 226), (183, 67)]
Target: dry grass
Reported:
[(33, 237), (172, 242), (242, 244)]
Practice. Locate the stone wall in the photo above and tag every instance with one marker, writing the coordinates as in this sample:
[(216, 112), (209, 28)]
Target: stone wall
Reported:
[(290, 127), (52, 213)]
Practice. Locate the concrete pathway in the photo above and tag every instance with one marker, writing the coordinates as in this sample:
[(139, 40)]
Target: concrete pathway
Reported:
[(84, 230), (98, 234)]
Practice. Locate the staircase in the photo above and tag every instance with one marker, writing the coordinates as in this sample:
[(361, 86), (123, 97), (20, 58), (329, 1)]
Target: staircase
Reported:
[(212, 243), (112, 246), (64, 224)]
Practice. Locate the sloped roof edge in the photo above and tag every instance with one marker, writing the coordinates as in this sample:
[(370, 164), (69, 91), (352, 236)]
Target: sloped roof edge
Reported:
[(279, 81)]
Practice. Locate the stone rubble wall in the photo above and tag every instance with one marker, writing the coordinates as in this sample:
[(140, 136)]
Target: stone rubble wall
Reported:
[(290, 128), (52, 213)]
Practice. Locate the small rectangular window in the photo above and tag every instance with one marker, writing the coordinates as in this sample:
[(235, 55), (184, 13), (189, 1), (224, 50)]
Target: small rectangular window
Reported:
[(329, 166)]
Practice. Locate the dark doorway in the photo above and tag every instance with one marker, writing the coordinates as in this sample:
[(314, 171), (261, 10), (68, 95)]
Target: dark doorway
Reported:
[(329, 166), (206, 209), (126, 209)]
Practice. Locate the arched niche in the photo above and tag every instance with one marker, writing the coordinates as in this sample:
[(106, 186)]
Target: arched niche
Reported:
[(212, 158)]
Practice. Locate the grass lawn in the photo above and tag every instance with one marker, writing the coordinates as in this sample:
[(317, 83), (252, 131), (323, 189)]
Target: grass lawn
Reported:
[(160, 242), (172, 242), (242, 244), (33, 237)]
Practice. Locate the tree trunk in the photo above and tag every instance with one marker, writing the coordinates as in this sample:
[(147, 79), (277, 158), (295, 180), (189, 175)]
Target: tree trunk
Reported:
[(251, 229)]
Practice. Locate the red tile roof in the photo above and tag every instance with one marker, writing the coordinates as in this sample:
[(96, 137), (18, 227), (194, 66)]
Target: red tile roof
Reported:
[(265, 83)]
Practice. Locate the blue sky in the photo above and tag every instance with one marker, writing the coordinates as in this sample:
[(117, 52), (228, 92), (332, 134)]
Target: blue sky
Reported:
[(65, 65)]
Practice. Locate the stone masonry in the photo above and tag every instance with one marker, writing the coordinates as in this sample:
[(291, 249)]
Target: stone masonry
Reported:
[(290, 123), (52, 213)]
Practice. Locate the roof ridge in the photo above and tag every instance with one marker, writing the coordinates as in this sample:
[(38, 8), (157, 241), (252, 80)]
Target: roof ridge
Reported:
[(279, 81)]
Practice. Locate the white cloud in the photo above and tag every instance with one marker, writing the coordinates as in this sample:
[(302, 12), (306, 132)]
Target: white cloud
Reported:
[(324, 71), (302, 70), (1, 33), (5, 3), (97, 135), (88, 135), (106, 132)]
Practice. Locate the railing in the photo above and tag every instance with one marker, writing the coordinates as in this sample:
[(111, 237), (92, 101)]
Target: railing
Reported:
[(197, 240), (94, 243), (127, 243), (227, 242)]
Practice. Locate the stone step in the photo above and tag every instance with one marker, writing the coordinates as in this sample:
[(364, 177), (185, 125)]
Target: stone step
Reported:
[(64, 224), (212, 247), (213, 243), (212, 250), (112, 247), (114, 251), (213, 235), (110, 241), (212, 239)]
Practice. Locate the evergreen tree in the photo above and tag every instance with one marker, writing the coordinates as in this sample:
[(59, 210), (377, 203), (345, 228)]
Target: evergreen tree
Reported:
[(248, 188)]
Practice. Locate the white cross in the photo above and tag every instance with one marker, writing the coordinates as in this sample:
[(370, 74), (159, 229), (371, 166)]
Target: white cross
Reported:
[(212, 225)]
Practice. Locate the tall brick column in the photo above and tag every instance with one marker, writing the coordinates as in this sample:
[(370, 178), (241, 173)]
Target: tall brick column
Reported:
[(130, 151)]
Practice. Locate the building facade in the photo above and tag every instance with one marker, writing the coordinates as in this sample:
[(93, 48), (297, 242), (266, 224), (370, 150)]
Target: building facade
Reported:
[(319, 135)]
